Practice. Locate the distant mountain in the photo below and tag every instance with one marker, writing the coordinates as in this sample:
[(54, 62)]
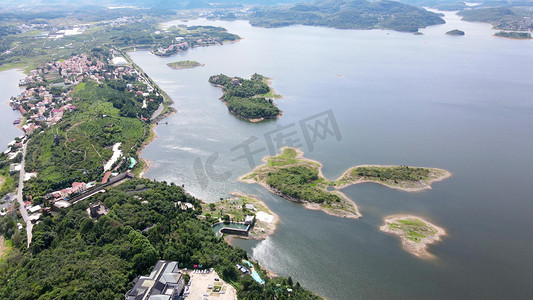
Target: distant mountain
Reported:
[(348, 14), (158, 4)]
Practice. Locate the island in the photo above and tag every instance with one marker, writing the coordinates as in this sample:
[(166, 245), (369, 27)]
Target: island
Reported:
[(405, 178), (300, 180), (184, 64), (514, 35), (456, 32), (295, 178), (248, 99), (351, 14), (242, 209), (415, 232)]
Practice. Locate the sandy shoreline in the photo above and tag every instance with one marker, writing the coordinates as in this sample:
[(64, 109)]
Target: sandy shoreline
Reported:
[(418, 249)]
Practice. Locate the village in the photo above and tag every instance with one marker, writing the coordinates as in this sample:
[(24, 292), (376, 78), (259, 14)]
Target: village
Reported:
[(47, 97)]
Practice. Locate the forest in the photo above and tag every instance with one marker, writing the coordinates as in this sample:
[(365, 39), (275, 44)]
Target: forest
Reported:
[(244, 97), (73, 257), (300, 182), (398, 173), (348, 14)]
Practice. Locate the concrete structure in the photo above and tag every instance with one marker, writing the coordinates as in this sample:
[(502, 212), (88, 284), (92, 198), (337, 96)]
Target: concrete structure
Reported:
[(97, 210), (165, 282)]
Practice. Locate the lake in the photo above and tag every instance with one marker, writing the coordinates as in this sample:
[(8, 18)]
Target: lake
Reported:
[(9, 81), (463, 104)]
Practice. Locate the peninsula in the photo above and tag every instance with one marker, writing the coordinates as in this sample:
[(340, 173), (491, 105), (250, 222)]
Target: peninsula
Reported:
[(405, 178), (184, 64), (237, 208), (300, 180), (415, 232), (248, 99), (514, 35)]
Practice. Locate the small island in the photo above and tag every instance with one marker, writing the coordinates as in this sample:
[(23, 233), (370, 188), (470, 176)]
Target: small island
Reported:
[(456, 32), (415, 232), (184, 64), (297, 179), (514, 35), (235, 211), (405, 178), (248, 99)]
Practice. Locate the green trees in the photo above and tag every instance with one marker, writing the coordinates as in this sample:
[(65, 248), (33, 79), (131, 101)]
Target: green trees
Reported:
[(299, 182), (243, 96), (403, 173)]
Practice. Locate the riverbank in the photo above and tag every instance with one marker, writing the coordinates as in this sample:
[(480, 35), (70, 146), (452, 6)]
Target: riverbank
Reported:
[(349, 177), (292, 157), (416, 233)]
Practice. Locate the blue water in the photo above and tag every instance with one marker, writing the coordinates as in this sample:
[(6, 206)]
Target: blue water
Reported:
[(463, 104)]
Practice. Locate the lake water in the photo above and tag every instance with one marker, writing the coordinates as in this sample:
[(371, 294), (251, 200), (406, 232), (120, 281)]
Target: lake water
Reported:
[(459, 103), (8, 87)]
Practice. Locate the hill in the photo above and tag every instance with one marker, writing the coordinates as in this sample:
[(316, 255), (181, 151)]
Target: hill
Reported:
[(348, 14)]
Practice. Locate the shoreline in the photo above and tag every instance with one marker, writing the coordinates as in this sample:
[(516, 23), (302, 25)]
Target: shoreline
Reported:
[(308, 205), (418, 249), (425, 186), (270, 228), (257, 120)]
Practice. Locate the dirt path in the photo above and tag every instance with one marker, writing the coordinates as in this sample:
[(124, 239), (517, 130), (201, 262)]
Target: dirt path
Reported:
[(2, 246)]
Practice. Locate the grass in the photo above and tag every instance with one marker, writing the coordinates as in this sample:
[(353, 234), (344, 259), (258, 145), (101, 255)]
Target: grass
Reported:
[(5, 248), (184, 64), (287, 157), (414, 229)]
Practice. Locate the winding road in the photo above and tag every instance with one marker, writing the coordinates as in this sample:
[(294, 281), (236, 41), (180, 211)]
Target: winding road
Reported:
[(23, 211)]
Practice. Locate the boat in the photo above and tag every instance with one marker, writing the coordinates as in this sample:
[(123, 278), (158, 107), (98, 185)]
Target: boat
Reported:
[(17, 121)]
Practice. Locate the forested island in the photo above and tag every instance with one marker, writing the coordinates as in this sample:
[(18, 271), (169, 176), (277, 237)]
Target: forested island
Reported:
[(298, 179), (248, 99), (415, 232), (348, 14), (514, 35), (456, 32), (184, 64), (405, 178)]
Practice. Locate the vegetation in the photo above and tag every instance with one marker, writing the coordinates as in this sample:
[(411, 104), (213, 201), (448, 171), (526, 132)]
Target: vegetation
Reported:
[(184, 64), (300, 182), (414, 229), (73, 257), (245, 97), (505, 18), (514, 35), (349, 14), (297, 179), (76, 148), (455, 32), (398, 173), (400, 177)]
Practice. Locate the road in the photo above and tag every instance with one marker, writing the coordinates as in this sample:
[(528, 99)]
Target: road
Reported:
[(23, 211)]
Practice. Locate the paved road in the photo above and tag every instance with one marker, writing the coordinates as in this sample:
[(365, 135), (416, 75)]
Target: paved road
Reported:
[(23, 212)]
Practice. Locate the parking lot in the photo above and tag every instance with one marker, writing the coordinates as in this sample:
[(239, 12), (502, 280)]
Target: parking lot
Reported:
[(204, 285)]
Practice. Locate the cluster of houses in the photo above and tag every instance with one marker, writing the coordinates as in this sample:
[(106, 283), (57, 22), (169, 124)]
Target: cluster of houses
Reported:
[(182, 44)]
